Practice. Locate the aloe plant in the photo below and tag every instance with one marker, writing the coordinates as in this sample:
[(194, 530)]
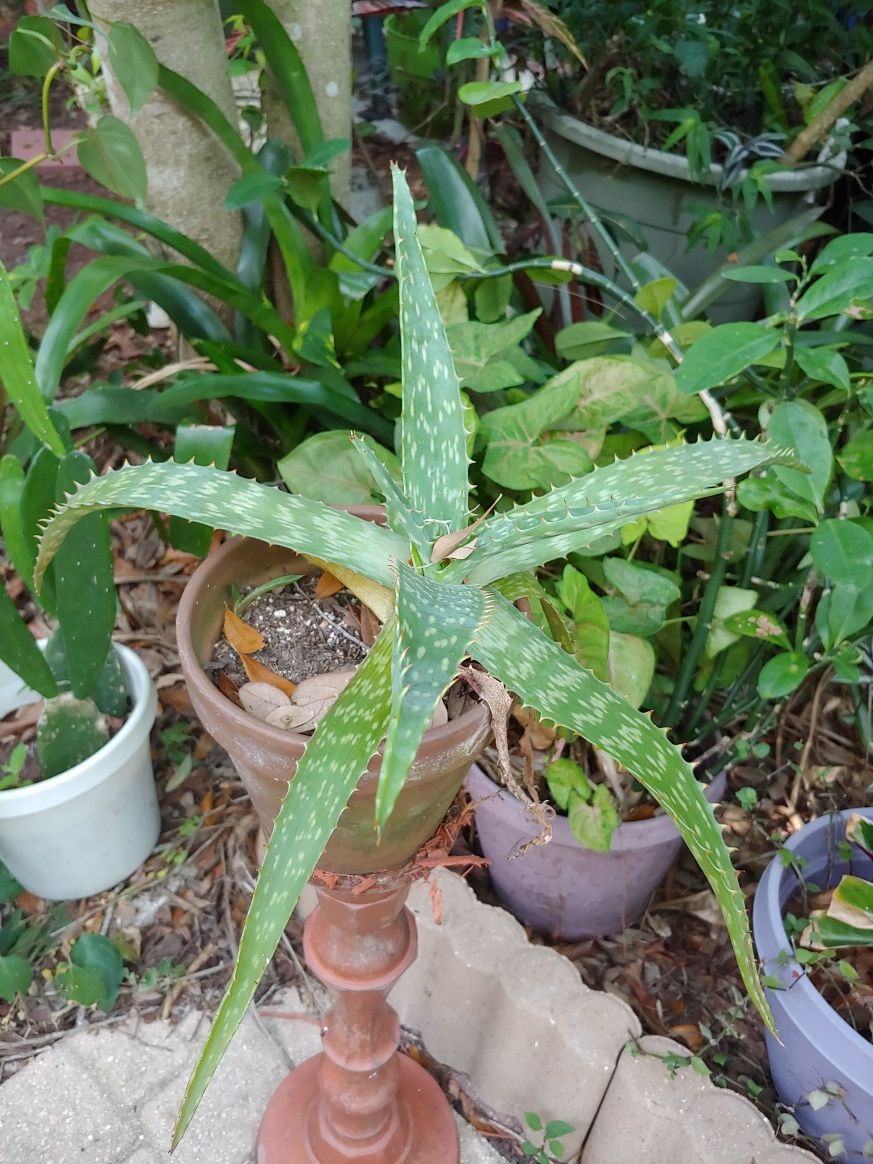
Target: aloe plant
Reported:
[(434, 575)]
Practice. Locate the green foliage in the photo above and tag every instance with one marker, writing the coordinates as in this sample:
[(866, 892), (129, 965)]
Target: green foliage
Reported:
[(436, 570), (94, 973), (551, 1134)]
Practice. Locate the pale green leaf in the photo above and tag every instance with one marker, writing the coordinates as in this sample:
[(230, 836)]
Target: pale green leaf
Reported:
[(433, 440), (400, 516), (435, 624), (133, 63), (573, 515), (550, 681), (18, 376), (237, 505), (332, 764), (723, 353), (326, 468)]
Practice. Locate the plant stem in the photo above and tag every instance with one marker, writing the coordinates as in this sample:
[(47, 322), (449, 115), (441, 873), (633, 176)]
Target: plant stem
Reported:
[(837, 106), (679, 698), (46, 93), (584, 205)]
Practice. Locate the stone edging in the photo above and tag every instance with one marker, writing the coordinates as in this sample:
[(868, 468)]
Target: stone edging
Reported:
[(518, 1020)]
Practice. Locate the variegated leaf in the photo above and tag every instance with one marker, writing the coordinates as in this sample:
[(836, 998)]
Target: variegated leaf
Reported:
[(572, 516), (400, 516), (332, 764), (433, 438), (232, 503), (436, 622), (555, 685)]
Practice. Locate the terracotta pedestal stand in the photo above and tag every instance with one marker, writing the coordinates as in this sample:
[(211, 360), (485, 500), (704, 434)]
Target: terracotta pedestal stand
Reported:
[(359, 1100)]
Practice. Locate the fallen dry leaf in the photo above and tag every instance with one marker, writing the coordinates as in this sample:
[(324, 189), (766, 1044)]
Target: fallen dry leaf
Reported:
[(259, 699), (243, 637), (261, 673), (327, 585)]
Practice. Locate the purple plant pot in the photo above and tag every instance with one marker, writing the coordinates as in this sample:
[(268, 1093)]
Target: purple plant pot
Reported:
[(818, 1047), (561, 888)]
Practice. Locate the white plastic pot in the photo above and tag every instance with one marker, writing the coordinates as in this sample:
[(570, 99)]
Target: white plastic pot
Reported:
[(87, 829)]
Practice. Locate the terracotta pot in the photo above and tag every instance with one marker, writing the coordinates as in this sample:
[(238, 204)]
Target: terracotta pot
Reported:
[(816, 1046), (266, 757), (562, 888)]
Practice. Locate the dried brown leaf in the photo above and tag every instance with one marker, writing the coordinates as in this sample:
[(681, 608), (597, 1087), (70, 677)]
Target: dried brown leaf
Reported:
[(261, 673), (243, 637), (327, 585)]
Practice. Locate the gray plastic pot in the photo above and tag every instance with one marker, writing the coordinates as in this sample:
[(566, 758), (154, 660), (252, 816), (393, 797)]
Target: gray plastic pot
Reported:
[(817, 1046), (561, 888), (654, 190)]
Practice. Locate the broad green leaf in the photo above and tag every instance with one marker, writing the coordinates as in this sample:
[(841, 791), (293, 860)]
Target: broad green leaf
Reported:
[(757, 624), (477, 346), (133, 63), (288, 71), (564, 776), (442, 15), (548, 680), (759, 493), (19, 379), (226, 501), (436, 623), (85, 584), (590, 625), (433, 440), (573, 515), (843, 249), (723, 353), (327, 468), (823, 366), (19, 651), (592, 824), (332, 764), (757, 275), (487, 98), (581, 341), (655, 295), (612, 388), (631, 666), (859, 831), (38, 499), (644, 597), (837, 291), (516, 457), (843, 612), (306, 185), (102, 961), (470, 48), (16, 976), (729, 601), (849, 917), (399, 514), (20, 547), (455, 199), (857, 456), (22, 193), (798, 425), (843, 552), (110, 153), (782, 674), (204, 444), (251, 188), (34, 46)]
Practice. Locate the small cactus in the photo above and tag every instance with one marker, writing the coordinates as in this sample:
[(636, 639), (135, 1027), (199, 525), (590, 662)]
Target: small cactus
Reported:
[(68, 732), (110, 693)]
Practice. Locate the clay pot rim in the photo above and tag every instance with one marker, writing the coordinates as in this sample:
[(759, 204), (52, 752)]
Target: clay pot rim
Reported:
[(635, 834), (434, 738)]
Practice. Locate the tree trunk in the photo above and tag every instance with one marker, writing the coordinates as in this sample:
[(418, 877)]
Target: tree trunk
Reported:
[(189, 171), (321, 31)]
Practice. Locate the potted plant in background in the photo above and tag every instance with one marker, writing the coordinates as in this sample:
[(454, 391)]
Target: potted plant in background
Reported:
[(679, 127), (78, 811), (431, 575), (821, 1064)]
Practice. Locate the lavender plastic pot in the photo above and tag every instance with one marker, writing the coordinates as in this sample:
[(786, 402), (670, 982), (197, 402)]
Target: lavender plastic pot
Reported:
[(561, 888), (818, 1046)]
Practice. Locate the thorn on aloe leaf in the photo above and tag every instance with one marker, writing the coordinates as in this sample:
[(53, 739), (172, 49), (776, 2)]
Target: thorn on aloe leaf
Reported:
[(68, 732)]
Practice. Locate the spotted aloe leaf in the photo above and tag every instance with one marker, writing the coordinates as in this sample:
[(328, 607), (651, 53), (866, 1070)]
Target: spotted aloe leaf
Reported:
[(436, 622), (433, 438), (572, 516), (547, 679), (332, 764), (232, 503), (397, 508)]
